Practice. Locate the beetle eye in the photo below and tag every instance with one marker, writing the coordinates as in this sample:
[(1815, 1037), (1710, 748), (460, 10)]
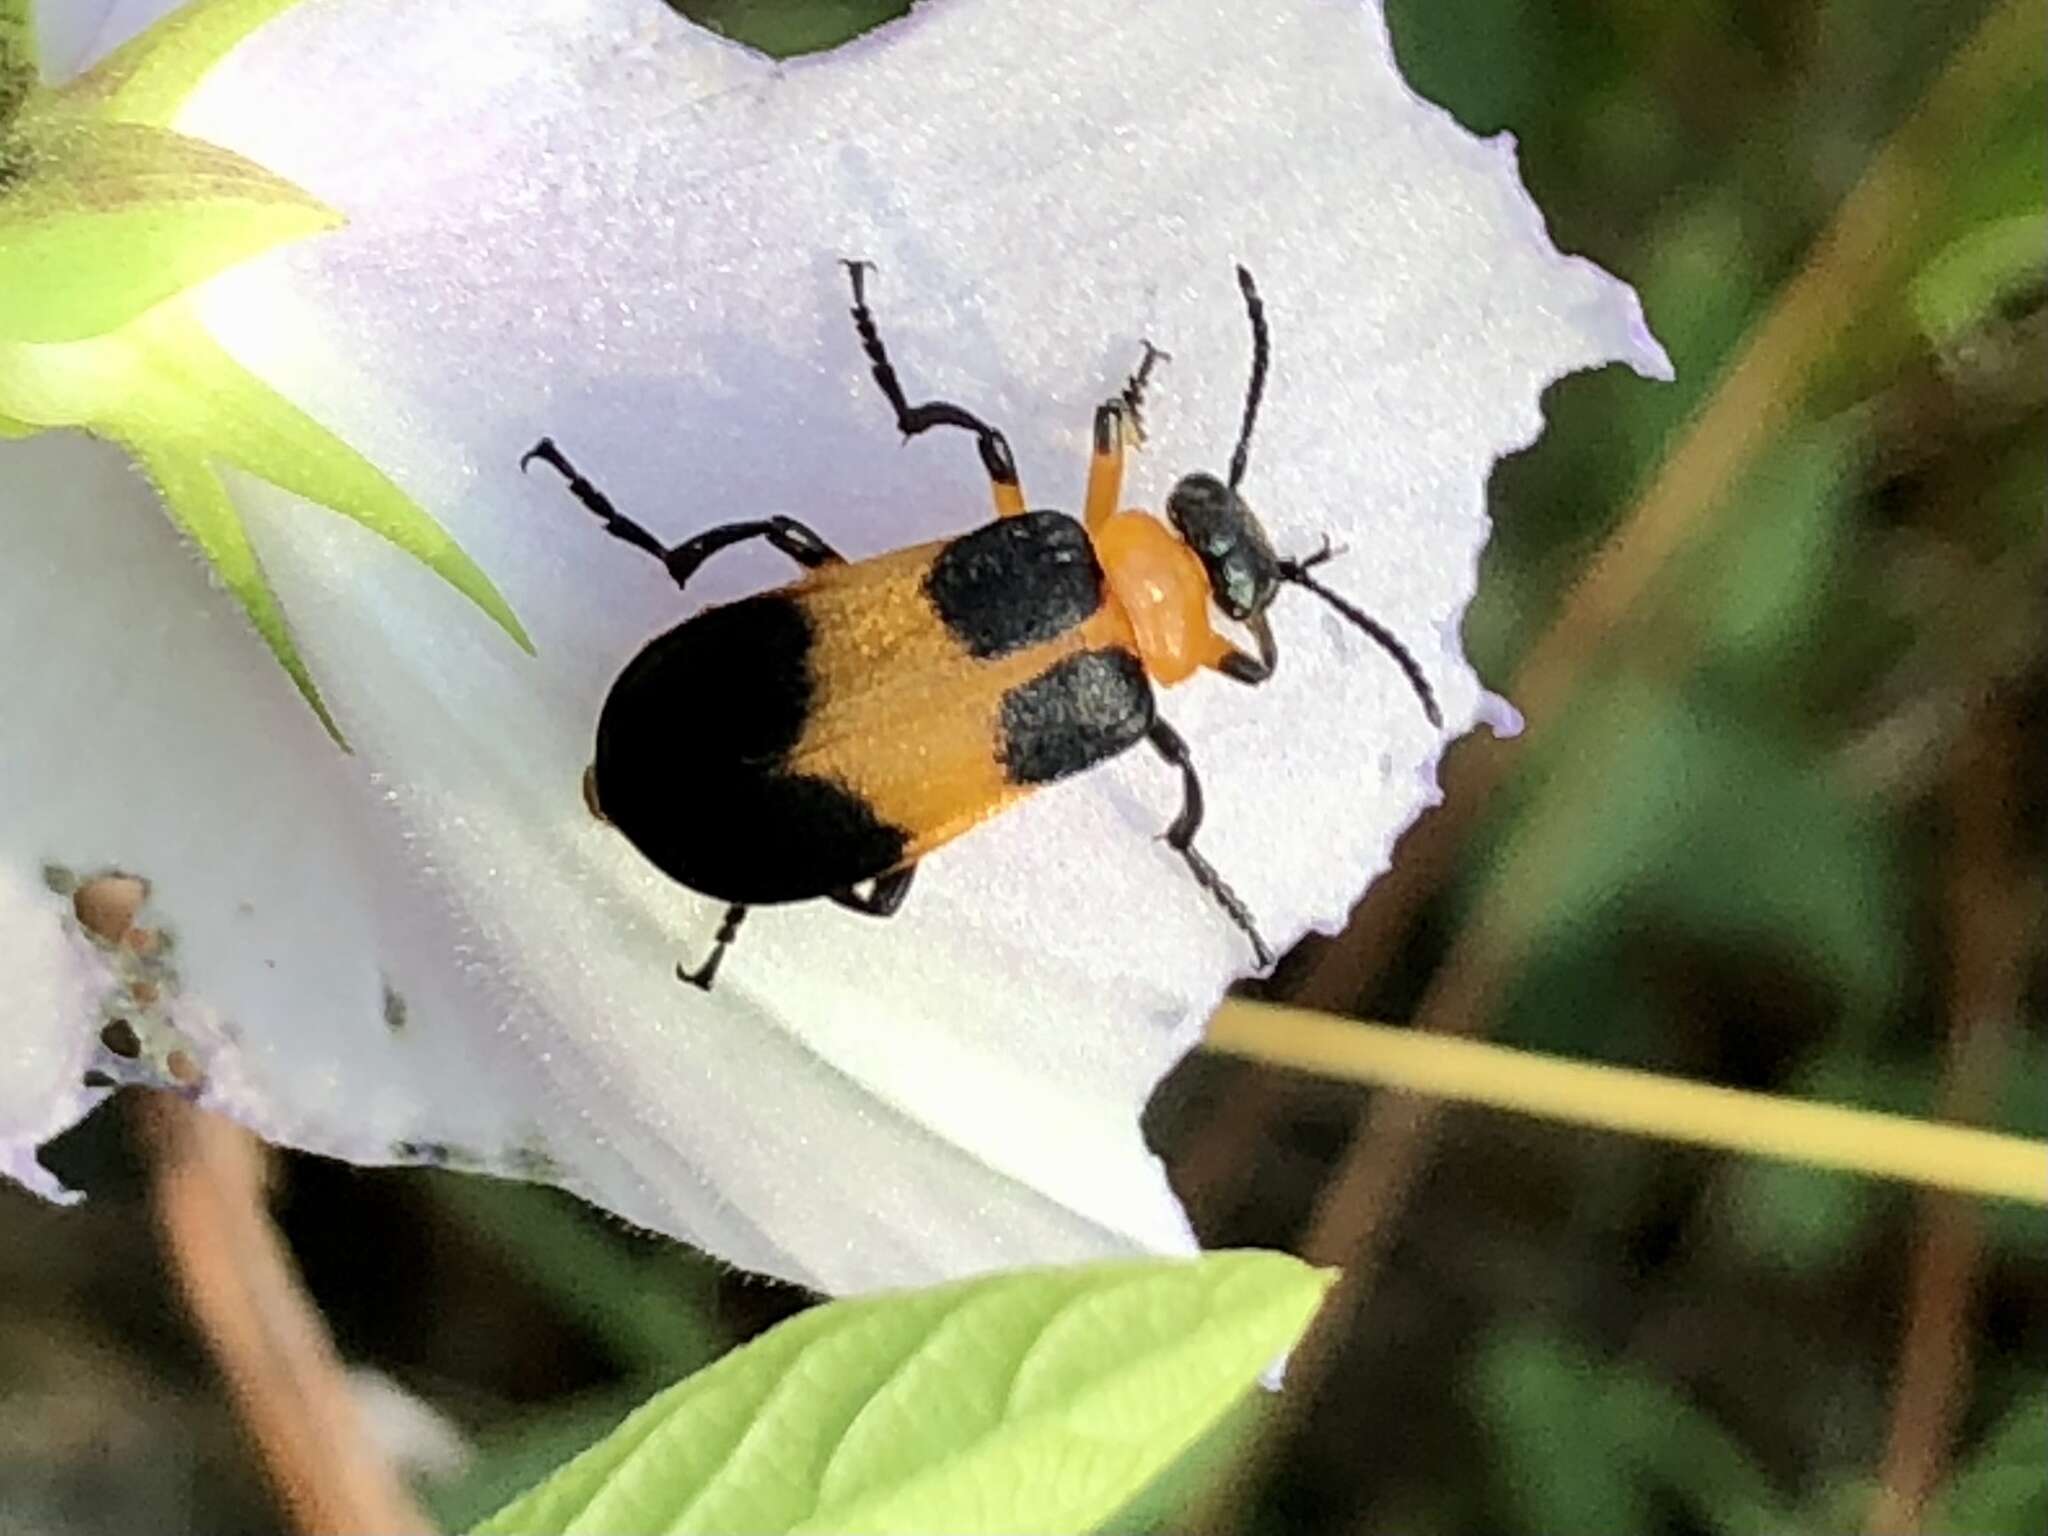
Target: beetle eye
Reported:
[(1200, 509)]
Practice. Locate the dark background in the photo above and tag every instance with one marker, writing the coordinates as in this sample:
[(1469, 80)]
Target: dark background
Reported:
[(1779, 825)]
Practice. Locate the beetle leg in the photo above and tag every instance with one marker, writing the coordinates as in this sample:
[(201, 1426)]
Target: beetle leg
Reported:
[(1133, 397), (728, 930), (883, 898), (1106, 466), (801, 543), (1180, 837), (996, 457), (1251, 670), (1119, 423), (793, 538), (616, 523)]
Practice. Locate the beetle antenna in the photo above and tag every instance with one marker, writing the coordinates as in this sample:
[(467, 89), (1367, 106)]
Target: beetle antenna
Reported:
[(1261, 349), (1296, 571)]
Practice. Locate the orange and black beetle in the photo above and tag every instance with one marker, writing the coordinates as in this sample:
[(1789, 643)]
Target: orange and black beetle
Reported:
[(802, 742)]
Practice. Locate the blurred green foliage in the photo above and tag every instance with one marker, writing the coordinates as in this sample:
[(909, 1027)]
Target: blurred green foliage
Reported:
[(1545, 1399), (1764, 768), (1768, 776)]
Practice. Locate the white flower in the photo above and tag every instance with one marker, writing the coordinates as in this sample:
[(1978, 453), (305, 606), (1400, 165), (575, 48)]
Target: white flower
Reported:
[(589, 219)]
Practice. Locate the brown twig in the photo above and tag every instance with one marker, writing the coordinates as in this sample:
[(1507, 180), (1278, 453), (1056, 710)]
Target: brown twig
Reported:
[(271, 1344), (1215, 1172), (1993, 915)]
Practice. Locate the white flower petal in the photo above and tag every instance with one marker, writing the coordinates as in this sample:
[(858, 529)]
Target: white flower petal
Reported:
[(68, 33), (144, 733), (590, 220)]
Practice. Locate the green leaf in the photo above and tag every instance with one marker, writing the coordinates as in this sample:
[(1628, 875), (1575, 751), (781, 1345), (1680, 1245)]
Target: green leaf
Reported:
[(198, 504), (1586, 1444), (1967, 283), (2000, 1488), (1199, 1473), (1033, 1402), (654, 1312), (1554, 1455), (147, 79), (109, 219), (1798, 1219), (511, 1455)]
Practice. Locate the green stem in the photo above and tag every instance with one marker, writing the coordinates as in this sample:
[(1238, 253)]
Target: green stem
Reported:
[(1953, 1157)]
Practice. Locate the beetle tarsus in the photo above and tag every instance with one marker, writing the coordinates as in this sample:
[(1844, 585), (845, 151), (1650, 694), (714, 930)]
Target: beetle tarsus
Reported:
[(616, 523), (996, 458), (1180, 837), (1133, 397), (728, 930)]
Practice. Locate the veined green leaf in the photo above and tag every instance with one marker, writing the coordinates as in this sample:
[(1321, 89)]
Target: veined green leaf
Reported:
[(198, 503), (107, 219), (147, 79), (1033, 1402)]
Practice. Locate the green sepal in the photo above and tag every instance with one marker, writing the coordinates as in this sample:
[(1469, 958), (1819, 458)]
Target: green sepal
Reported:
[(105, 220), (198, 503), (1040, 1401), (148, 78), (189, 391), (164, 389)]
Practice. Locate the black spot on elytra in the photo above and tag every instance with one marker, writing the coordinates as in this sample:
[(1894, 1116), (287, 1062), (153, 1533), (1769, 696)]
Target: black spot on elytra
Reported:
[(1018, 582), (765, 837), (119, 1037), (692, 747), (734, 681), (394, 1009), (1089, 707)]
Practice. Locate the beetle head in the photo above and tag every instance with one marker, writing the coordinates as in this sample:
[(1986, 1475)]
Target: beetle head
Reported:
[(1225, 535), (1244, 573)]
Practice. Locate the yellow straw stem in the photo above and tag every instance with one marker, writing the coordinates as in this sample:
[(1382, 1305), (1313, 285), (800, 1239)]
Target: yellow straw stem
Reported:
[(1953, 1157)]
